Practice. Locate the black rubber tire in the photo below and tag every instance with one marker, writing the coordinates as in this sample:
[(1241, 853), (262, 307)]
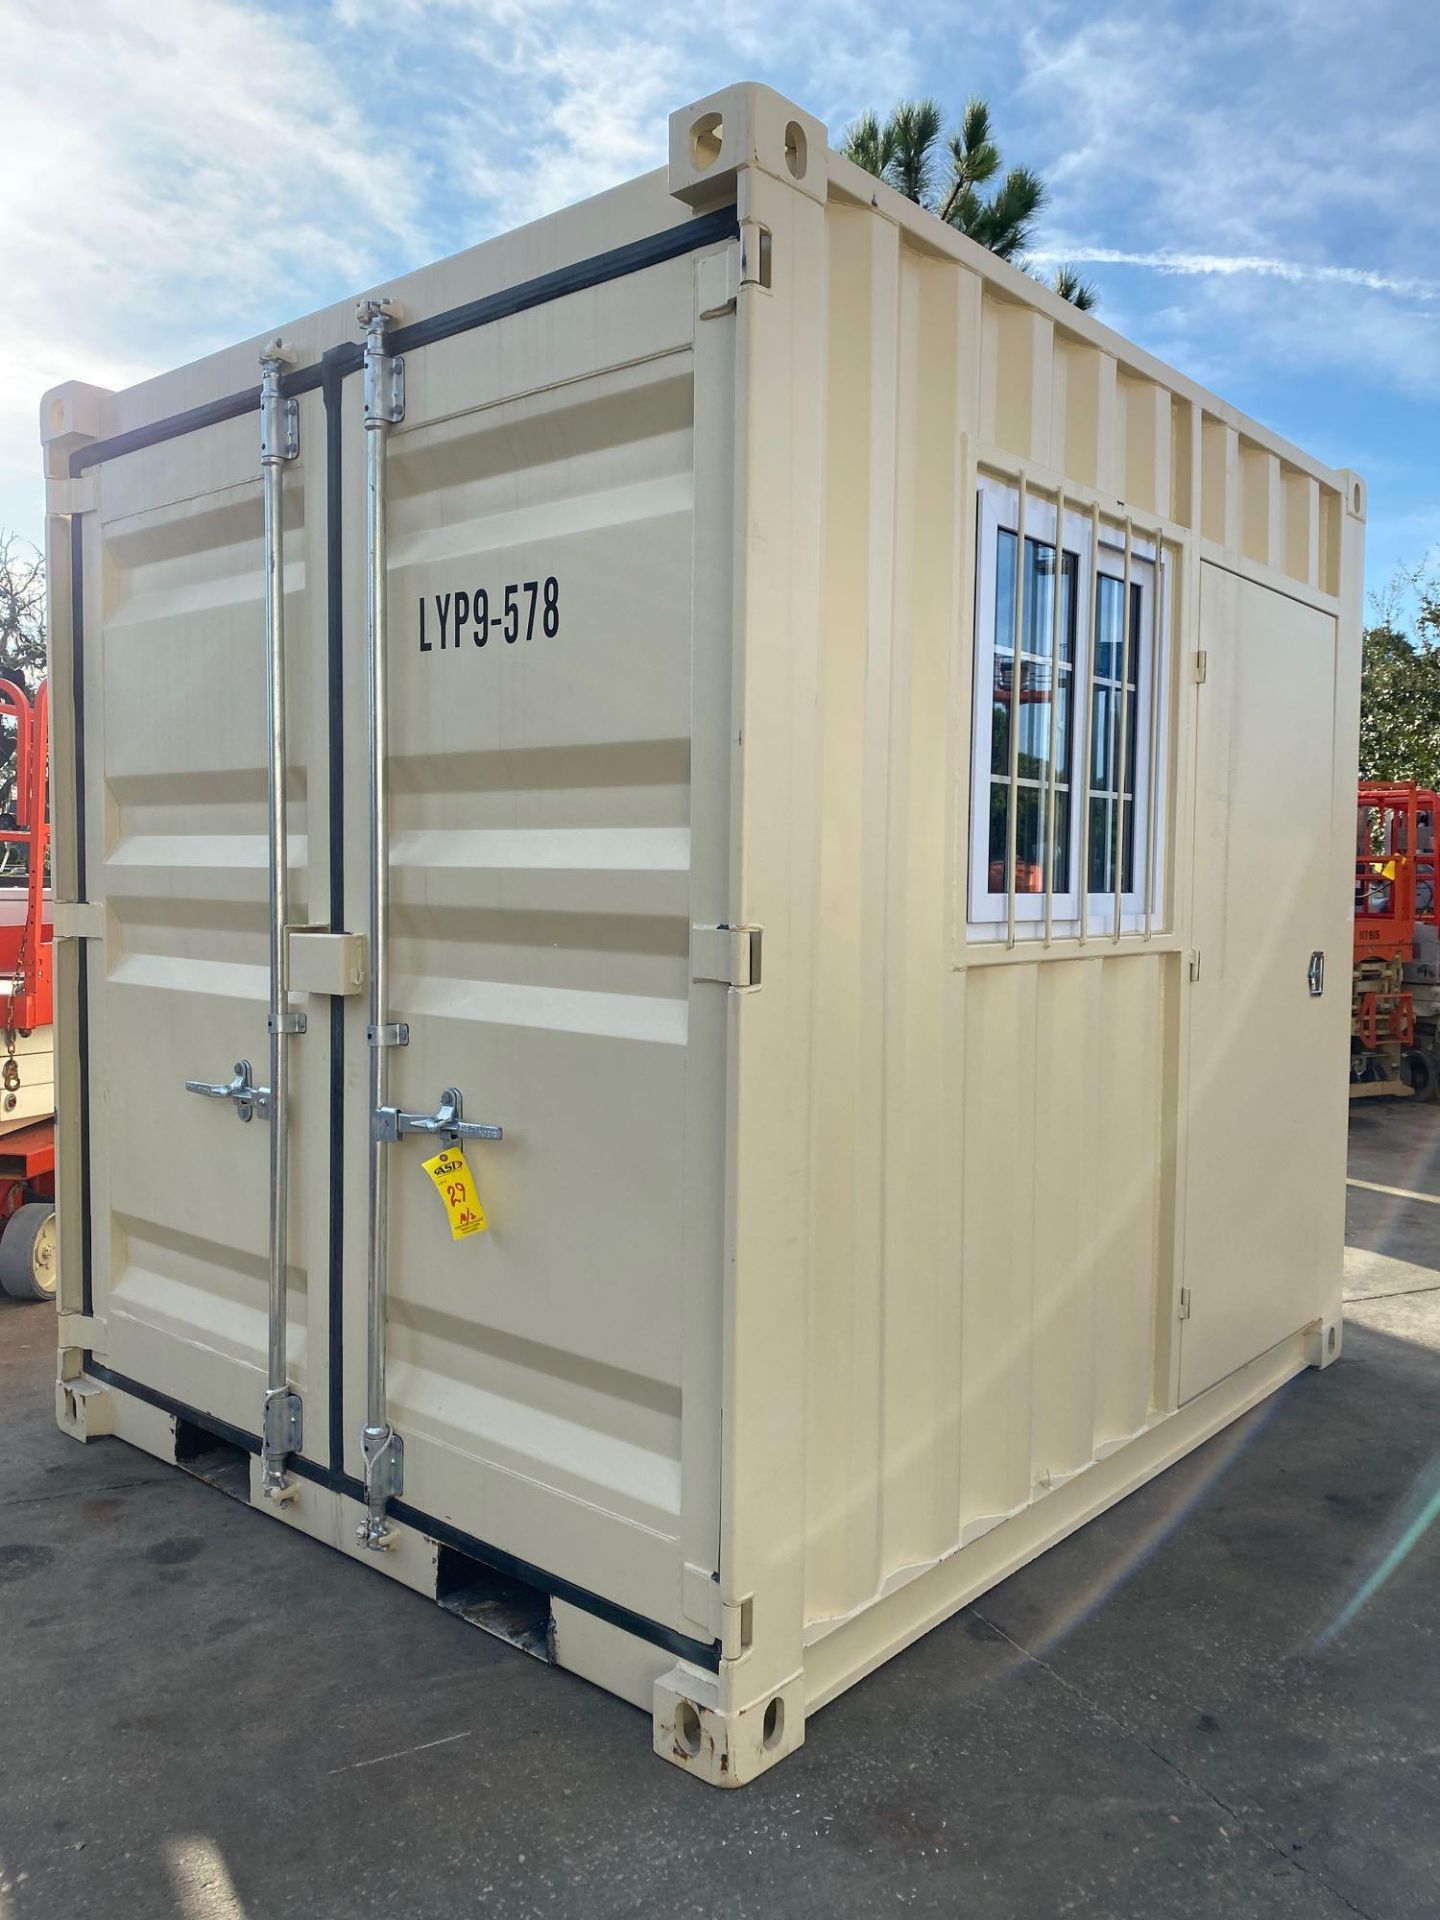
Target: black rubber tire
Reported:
[(1366, 1067), (1420, 1074), (27, 1252)]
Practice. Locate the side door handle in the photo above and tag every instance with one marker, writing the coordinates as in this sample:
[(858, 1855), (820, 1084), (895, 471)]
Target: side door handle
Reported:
[(249, 1099)]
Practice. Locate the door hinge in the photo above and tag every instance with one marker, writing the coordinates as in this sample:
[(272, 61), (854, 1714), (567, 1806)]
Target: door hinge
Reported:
[(730, 955), (323, 962), (731, 1622), (1184, 1303), (737, 1627), (717, 282), (1195, 963), (74, 494), (82, 1331), (756, 255), (79, 920), (1202, 663)]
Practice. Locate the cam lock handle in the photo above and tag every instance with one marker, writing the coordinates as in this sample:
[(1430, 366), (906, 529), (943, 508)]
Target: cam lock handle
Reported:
[(249, 1099), (446, 1123)]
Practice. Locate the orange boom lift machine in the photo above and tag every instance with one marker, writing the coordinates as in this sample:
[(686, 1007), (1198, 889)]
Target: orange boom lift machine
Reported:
[(1396, 995), (27, 1048)]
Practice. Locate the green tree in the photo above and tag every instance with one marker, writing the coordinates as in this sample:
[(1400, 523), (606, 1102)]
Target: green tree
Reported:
[(1400, 684), (1068, 284), (959, 179)]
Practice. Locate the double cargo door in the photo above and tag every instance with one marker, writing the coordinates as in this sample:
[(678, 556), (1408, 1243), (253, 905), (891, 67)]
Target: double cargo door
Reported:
[(552, 721)]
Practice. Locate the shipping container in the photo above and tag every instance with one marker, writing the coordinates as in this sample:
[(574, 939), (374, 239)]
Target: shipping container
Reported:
[(695, 861)]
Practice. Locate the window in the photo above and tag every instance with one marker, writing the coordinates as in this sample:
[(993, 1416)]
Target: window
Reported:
[(1111, 665), (1074, 727), (1041, 697)]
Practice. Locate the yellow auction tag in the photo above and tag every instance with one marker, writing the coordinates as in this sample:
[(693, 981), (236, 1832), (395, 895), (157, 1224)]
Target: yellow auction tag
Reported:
[(456, 1186)]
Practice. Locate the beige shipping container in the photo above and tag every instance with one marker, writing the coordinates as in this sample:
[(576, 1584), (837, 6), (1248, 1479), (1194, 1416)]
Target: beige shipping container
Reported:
[(571, 716)]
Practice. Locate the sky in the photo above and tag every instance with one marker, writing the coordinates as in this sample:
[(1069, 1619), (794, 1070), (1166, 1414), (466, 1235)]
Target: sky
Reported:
[(1252, 185)]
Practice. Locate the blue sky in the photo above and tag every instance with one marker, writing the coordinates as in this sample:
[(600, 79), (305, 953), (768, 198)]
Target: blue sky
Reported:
[(1254, 187)]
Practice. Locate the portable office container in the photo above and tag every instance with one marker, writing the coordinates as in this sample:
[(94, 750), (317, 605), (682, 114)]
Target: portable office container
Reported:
[(891, 1151)]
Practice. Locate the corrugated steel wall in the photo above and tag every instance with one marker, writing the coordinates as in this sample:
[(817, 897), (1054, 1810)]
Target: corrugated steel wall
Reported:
[(993, 1258)]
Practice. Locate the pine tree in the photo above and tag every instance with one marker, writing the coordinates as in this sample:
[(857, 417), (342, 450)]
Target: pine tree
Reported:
[(909, 151)]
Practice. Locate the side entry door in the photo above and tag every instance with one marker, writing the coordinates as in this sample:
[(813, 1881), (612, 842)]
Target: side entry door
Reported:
[(1267, 1054)]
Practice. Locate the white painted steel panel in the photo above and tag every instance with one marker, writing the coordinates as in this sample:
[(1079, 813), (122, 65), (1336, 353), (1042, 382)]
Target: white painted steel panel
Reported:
[(542, 822), (176, 841)]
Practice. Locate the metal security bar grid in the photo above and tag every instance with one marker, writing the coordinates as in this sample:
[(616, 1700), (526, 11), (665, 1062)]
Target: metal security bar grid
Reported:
[(1139, 541)]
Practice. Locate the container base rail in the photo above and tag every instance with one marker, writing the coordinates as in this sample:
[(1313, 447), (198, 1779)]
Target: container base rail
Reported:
[(701, 1716)]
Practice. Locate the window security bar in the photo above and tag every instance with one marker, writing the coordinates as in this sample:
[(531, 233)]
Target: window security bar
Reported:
[(1129, 696)]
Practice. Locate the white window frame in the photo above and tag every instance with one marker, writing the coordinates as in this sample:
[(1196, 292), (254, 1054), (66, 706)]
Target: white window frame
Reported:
[(998, 510)]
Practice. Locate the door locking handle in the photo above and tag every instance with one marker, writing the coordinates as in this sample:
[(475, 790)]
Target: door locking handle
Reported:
[(447, 1122), (249, 1099), (1315, 974)]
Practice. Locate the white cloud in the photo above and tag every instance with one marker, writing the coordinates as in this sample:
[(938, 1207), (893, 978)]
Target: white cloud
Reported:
[(172, 177), (179, 177), (585, 105), (563, 98), (1250, 147)]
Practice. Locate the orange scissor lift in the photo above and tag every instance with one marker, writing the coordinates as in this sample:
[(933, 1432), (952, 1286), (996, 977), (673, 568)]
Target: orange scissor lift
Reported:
[(1397, 943), (27, 1049)]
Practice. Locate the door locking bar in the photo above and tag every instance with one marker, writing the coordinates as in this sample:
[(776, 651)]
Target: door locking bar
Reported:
[(249, 1099), (381, 1447), (279, 445), (447, 1122)]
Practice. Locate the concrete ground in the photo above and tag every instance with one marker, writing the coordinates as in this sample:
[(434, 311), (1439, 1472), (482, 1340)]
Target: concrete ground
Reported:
[(1190, 1708)]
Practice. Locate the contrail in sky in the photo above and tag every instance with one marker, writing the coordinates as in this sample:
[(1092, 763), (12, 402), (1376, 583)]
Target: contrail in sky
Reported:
[(1236, 263)]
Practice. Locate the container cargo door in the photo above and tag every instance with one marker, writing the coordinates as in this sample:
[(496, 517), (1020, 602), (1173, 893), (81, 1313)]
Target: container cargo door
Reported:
[(1267, 1058), (557, 758), (172, 842)]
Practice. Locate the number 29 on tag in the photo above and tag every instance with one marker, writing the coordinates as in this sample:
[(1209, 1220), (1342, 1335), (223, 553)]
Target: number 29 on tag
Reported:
[(455, 1184)]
